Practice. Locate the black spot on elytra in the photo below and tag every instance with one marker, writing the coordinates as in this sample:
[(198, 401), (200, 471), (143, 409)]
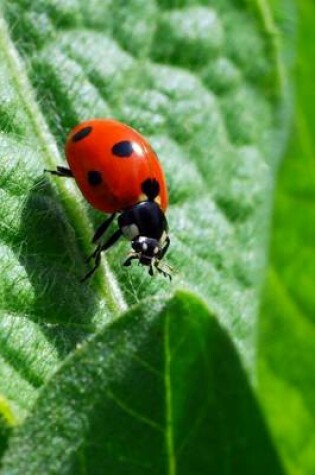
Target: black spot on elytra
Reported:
[(122, 149), (82, 134), (151, 188), (94, 178)]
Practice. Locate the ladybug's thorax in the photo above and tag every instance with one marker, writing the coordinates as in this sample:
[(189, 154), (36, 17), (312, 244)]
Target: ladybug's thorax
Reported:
[(144, 219)]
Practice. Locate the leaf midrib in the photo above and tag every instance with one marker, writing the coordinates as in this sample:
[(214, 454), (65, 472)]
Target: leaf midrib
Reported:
[(271, 29), (104, 282), (169, 434)]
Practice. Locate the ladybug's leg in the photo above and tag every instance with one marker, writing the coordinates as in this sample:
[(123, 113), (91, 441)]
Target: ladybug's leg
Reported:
[(94, 254), (98, 233), (61, 171), (91, 272), (165, 248), (102, 228), (164, 272), (111, 240), (97, 253), (108, 243), (130, 258), (151, 272)]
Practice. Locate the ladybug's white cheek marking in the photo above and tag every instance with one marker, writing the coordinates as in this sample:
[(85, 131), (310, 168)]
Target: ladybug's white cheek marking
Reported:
[(144, 197), (158, 200), (131, 231)]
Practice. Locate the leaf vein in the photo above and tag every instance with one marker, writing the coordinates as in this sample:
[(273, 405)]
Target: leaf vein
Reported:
[(168, 401), (140, 417)]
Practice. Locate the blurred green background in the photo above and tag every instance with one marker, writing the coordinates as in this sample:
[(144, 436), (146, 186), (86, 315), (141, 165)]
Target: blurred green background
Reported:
[(287, 332)]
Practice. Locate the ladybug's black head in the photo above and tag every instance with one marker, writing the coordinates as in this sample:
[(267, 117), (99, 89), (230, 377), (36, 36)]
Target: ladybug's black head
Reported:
[(146, 227), (147, 249)]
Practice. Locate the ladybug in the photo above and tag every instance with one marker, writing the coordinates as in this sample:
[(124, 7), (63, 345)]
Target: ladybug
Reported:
[(117, 171)]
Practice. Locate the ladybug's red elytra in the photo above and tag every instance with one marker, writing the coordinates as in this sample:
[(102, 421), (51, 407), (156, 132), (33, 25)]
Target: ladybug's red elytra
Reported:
[(117, 171)]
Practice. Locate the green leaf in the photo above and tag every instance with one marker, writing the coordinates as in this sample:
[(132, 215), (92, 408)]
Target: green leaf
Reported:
[(180, 73), (170, 376), (6, 423), (287, 330)]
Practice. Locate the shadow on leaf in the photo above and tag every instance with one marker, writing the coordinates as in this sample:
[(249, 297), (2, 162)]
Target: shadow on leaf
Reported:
[(51, 255), (160, 390)]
